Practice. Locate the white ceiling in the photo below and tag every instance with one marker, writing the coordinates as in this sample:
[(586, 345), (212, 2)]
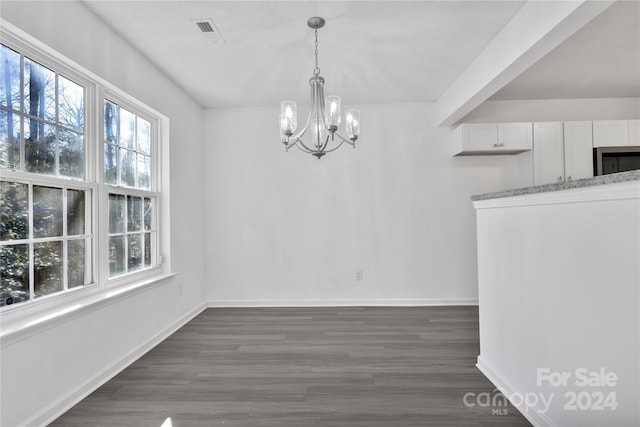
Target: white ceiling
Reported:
[(601, 60), (369, 51)]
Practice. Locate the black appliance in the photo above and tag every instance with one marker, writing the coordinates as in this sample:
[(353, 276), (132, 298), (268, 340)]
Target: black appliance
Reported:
[(608, 160)]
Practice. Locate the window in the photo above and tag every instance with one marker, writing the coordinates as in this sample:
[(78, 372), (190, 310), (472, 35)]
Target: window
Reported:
[(127, 148), (46, 240), (127, 171), (41, 118), (53, 188)]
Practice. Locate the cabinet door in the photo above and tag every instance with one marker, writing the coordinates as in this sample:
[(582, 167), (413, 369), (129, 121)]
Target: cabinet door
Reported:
[(480, 136), (578, 150), (634, 132), (514, 136), (610, 133), (548, 153)]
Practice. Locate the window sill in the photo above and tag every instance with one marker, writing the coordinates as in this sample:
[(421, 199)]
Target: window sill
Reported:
[(14, 330)]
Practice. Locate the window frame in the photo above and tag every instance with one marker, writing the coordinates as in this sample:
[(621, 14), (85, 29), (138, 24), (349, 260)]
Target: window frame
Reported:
[(154, 192), (96, 90), (31, 240)]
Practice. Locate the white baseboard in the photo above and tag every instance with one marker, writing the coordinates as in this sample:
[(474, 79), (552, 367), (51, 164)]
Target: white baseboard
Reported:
[(536, 418), (370, 302), (60, 406)]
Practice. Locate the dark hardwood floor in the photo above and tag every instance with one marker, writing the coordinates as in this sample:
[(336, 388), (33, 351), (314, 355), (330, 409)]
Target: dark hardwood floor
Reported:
[(278, 367)]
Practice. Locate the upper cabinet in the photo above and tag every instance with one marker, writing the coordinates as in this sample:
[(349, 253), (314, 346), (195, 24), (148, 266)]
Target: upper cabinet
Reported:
[(634, 132), (492, 138), (611, 133), (568, 143)]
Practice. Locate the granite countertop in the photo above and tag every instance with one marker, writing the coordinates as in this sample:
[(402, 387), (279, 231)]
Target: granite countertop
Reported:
[(587, 182)]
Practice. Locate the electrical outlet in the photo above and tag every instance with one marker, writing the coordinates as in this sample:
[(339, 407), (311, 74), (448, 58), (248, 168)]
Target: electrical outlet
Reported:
[(359, 275)]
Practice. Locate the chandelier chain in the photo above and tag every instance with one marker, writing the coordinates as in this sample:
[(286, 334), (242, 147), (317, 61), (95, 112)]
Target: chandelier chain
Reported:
[(316, 71)]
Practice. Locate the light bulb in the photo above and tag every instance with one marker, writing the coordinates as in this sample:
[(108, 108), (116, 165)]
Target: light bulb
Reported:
[(288, 117), (332, 111), (318, 133), (353, 124)]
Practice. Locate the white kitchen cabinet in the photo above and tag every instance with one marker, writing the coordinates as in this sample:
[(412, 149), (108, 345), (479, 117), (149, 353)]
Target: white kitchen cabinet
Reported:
[(492, 138), (578, 150), (548, 153), (562, 151), (610, 133), (634, 133)]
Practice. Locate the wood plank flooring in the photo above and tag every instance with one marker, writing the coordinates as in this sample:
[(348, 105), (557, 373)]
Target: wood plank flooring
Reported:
[(279, 367)]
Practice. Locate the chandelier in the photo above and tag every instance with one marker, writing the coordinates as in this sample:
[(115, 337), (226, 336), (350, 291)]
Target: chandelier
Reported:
[(324, 118)]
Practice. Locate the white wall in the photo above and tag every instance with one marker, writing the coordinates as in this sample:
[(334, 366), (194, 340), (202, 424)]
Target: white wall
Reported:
[(541, 110), (46, 372), (559, 284), (288, 229)]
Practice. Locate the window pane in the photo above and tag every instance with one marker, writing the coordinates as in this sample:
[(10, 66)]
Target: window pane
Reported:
[(135, 252), (147, 213), (9, 78), (144, 136), (47, 265), (111, 122), (71, 154), (75, 263), (147, 249), (9, 140), (143, 171), (111, 164), (127, 168), (75, 212), (127, 129), (40, 147), (134, 213), (47, 211), (71, 104), (39, 91), (116, 255), (14, 205), (116, 213), (14, 274)]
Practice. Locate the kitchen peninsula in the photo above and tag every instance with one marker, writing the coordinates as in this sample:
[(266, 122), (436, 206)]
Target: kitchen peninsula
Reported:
[(559, 299)]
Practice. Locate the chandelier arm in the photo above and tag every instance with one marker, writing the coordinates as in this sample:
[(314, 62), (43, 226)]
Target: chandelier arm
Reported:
[(300, 144), (288, 146), (347, 140), (317, 108), (326, 142), (323, 114), (336, 147), (304, 149), (302, 131)]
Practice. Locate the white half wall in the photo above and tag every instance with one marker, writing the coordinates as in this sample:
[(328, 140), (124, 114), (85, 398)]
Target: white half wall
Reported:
[(288, 229), (559, 280), (46, 372)]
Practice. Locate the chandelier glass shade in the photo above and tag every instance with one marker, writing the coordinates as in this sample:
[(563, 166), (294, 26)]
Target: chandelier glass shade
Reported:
[(324, 118)]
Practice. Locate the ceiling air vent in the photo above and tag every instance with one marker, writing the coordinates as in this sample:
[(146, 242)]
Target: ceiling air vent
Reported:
[(209, 29), (205, 27)]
